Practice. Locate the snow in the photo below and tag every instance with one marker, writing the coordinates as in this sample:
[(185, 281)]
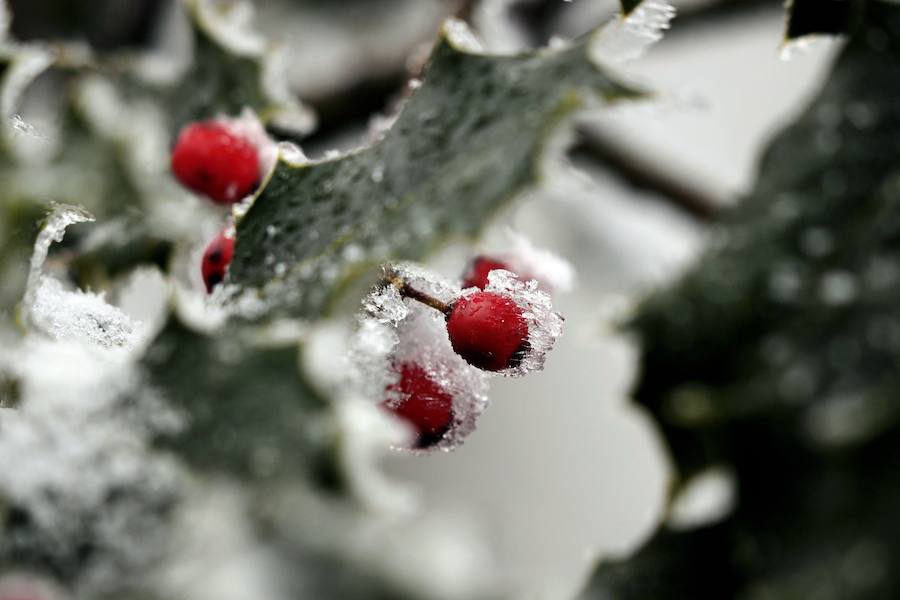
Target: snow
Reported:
[(626, 38), (76, 315)]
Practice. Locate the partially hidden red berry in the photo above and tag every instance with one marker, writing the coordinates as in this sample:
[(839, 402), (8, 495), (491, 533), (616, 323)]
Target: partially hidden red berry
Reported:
[(211, 160), (422, 403), (216, 258), (488, 330), (479, 268)]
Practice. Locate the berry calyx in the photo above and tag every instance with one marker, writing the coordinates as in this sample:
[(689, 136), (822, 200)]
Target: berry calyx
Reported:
[(210, 159), (479, 269), (488, 331), (216, 258), (422, 403)]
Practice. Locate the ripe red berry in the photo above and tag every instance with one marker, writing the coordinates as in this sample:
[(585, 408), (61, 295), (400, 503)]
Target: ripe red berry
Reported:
[(216, 259), (423, 403), (211, 160), (488, 330), (479, 268)]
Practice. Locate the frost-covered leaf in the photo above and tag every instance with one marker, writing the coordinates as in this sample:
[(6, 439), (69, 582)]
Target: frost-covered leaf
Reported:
[(820, 17), (466, 142), (233, 67), (777, 356), (248, 410)]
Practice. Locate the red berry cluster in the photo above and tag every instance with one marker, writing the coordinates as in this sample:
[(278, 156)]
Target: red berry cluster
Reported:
[(488, 329), (216, 160)]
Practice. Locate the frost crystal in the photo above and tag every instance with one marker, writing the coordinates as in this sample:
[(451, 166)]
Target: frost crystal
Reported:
[(71, 315), (626, 38), (393, 332), (544, 325)]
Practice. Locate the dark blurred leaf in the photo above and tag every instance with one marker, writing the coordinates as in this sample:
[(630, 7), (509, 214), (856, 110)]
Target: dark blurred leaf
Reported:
[(249, 410), (778, 356), (464, 145), (809, 17)]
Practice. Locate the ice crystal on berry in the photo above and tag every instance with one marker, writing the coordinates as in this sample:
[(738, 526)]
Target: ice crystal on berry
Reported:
[(402, 359), (544, 324)]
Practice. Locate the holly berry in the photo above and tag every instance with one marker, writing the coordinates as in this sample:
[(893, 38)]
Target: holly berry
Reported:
[(423, 403), (216, 258), (488, 330), (211, 160), (479, 268)]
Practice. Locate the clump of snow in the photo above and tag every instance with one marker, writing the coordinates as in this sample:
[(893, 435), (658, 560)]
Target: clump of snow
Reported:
[(78, 315), (544, 325), (71, 315), (626, 38), (76, 457)]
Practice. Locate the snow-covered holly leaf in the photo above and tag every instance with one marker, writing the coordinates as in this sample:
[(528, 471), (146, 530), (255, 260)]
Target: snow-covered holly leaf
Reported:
[(777, 356), (233, 67), (248, 410), (466, 142), (819, 17)]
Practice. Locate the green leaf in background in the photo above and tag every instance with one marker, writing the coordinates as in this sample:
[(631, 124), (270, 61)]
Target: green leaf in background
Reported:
[(814, 17), (248, 410), (231, 70), (466, 142), (778, 356)]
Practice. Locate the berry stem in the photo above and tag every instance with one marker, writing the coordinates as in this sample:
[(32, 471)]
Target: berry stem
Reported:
[(407, 291)]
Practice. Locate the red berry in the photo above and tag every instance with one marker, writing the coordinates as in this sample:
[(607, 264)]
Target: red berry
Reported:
[(211, 160), (488, 330), (216, 259), (423, 403), (480, 267)]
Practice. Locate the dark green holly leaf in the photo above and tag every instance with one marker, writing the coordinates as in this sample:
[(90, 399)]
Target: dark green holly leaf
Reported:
[(812, 17), (248, 409), (230, 71), (467, 141), (777, 356)]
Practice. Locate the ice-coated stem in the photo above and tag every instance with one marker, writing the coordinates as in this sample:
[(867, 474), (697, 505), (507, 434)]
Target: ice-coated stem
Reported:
[(407, 291)]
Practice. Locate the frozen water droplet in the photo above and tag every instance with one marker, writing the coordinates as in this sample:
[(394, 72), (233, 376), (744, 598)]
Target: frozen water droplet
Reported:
[(332, 154), (705, 499), (378, 174), (785, 282), (415, 84), (271, 231), (817, 242), (838, 288)]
